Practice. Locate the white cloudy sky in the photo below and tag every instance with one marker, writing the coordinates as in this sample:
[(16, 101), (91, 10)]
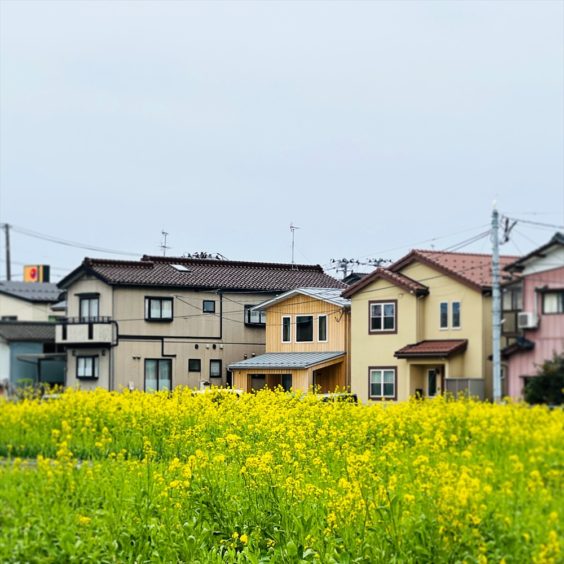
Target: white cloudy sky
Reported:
[(373, 126)]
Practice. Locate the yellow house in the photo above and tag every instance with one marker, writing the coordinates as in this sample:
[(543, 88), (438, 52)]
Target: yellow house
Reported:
[(307, 341), (422, 327)]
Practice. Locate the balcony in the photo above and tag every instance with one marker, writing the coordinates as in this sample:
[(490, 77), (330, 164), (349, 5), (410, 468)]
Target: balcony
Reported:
[(95, 331)]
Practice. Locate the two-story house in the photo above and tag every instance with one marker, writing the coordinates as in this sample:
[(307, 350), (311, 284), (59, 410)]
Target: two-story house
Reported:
[(422, 326), (160, 322), (307, 343), (533, 314)]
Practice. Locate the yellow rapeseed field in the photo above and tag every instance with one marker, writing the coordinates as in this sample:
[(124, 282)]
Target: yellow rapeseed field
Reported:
[(278, 477)]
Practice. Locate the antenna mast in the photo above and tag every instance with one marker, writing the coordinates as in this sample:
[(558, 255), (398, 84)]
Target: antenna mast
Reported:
[(293, 229), (164, 246)]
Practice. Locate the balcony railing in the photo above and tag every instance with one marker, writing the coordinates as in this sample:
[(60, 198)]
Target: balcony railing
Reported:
[(98, 319), (100, 331)]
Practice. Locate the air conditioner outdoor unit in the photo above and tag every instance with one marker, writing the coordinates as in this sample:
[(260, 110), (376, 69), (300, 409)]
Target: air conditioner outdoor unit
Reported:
[(526, 320)]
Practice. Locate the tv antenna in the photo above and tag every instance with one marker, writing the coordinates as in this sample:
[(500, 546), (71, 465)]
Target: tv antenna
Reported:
[(293, 229), (164, 246)]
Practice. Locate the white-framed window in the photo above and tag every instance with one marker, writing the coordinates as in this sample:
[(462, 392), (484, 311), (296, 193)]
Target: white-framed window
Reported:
[(304, 328), (382, 383), (286, 329), (87, 367), (382, 316), (89, 307), (553, 302), (158, 309), (254, 317), (158, 374), (322, 328), (450, 315)]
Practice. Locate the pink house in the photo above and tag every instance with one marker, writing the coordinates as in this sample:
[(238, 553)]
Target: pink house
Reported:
[(533, 312)]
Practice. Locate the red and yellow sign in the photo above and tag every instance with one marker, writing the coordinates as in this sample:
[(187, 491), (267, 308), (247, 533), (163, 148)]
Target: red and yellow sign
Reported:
[(36, 273)]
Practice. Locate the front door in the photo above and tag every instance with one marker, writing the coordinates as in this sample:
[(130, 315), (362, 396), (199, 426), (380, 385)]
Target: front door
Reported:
[(433, 382)]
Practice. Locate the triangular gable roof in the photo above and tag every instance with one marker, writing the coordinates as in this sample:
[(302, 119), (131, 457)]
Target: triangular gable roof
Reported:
[(519, 265), (396, 278), (329, 295), (203, 274), (471, 269)]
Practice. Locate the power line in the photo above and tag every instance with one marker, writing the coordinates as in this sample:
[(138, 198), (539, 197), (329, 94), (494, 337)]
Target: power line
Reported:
[(69, 243)]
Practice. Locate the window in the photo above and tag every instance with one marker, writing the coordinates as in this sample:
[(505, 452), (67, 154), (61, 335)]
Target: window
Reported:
[(10, 318), (254, 317), (444, 315), (158, 309), (454, 315), (208, 306), (286, 329), (512, 298), (89, 308), (194, 365), (158, 374), (382, 383), (304, 328), (553, 302), (322, 328), (87, 367), (215, 368), (383, 317)]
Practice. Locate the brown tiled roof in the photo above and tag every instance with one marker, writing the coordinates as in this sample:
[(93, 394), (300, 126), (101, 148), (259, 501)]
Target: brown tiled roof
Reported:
[(204, 274), (472, 269), (440, 348), (395, 278)]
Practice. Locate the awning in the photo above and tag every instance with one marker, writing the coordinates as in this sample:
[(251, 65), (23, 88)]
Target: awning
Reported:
[(436, 349), (288, 361)]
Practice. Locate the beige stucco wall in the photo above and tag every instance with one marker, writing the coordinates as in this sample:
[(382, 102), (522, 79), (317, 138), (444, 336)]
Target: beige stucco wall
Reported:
[(24, 310), (446, 289), (192, 334), (89, 285), (377, 349)]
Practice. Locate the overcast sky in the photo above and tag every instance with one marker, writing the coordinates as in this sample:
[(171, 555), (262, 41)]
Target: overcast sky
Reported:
[(373, 126)]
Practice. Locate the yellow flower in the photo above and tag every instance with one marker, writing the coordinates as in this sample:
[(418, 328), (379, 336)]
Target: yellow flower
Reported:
[(244, 538), (83, 520)]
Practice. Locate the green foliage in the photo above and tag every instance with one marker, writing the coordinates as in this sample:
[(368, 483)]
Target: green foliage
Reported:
[(547, 387)]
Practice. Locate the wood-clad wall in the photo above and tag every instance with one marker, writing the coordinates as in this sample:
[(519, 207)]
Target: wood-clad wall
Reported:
[(337, 320)]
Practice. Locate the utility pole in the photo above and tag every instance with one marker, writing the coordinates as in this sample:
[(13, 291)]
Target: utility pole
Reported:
[(8, 263), (496, 307)]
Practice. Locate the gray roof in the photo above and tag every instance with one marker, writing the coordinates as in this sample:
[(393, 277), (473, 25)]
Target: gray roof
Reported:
[(27, 331), (31, 291), (293, 360), (331, 295)]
